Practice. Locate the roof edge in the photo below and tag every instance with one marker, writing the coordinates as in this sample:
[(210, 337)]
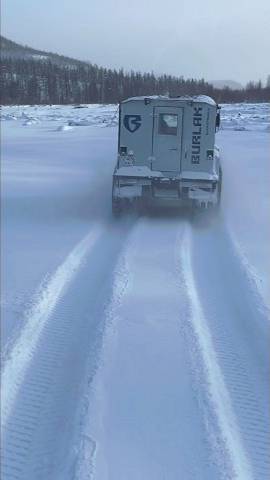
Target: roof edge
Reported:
[(184, 98)]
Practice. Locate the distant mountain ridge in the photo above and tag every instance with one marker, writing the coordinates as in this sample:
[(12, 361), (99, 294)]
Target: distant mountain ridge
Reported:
[(226, 83)]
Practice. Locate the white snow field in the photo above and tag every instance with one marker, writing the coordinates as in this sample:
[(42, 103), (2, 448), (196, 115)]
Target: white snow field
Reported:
[(138, 348)]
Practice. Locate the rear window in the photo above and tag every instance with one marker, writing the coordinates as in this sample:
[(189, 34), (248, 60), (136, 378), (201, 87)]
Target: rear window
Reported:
[(167, 124)]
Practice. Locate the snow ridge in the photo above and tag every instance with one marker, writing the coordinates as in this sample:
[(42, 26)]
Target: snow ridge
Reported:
[(253, 276), (218, 392)]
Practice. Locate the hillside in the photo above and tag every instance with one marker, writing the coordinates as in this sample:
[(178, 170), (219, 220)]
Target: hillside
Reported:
[(10, 49)]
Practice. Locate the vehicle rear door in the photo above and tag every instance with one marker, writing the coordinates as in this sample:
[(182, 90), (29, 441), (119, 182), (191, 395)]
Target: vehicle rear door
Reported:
[(167, 136)]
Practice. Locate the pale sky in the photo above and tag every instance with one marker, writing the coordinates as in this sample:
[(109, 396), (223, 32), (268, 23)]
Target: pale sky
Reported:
[(214, 39)]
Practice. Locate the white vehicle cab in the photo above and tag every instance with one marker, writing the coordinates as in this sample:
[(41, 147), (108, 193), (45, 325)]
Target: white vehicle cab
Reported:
[(167, 152)]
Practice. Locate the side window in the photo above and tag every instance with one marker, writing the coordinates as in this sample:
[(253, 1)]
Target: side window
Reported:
[(167, 124)]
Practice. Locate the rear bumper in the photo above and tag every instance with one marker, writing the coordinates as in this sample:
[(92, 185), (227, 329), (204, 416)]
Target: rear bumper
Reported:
[(199, 190)]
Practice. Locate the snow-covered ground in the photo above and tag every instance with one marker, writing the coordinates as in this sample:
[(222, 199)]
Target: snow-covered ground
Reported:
[(135, 348)]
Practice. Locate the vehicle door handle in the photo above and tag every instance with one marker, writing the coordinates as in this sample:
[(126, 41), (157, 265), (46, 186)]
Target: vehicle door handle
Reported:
[(174, 149)]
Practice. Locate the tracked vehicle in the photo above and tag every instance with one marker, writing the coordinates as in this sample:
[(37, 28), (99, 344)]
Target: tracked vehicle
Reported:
[(167, 153)]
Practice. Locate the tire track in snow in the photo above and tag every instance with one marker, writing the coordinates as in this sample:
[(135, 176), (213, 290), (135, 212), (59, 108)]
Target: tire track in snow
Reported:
[(218, 394), (43, 430), (88, 446), (16, 364), (238, 320), (143, 417)]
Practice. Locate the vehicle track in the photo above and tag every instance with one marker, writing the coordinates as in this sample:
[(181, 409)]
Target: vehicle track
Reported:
[(187, 341), (43, 376), (239, 327), (180, 387), (218, 411), (145, 419)]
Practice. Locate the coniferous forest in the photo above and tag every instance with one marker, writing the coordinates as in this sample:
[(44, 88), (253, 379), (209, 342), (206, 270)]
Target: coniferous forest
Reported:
[(33, 78)]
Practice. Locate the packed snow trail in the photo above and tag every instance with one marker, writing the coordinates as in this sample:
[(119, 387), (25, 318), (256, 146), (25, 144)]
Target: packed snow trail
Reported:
[(145, 411), (162, 405), (135, 348)]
